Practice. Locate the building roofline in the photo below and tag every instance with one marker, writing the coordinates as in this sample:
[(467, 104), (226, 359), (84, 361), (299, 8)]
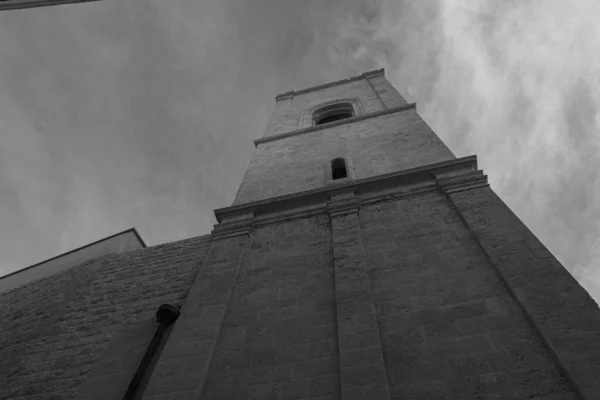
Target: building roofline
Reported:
[(364, 75), (135, 232)]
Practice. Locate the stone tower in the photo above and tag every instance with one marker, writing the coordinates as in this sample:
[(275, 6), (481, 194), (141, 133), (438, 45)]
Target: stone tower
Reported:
[(360, 260)]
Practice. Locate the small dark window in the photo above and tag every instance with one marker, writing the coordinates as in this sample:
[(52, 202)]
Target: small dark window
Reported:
[(334, 112), (338, 169)]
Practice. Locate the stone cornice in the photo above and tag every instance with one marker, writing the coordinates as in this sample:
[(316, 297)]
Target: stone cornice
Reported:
[(338, 208), (314, 128), (400, 194), (292, 214), (292, 93), (232, 229), (465, 181), (369, 190)]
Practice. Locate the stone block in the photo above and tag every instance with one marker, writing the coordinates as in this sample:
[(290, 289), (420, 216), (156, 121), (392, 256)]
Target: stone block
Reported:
[(363, 375), (353, 357), (474, 344), (313, 368), (324, 385)]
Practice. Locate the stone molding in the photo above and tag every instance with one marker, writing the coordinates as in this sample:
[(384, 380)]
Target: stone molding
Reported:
[(375, 91), (270, 220), (232, 229), (340, 207), (314, 128), (410, 175), (419, 181), (465, 181), (292, 93), (398, 195)]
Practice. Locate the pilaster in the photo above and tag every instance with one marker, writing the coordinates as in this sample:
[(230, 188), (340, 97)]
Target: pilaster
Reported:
[(565, 317), (183, 366), (362, 369)]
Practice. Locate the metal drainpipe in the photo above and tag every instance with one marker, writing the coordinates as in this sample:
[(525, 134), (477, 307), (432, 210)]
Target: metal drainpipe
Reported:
[(165, 316)]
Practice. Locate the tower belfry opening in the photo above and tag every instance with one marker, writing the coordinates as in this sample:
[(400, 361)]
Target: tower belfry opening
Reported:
[(334, 112)]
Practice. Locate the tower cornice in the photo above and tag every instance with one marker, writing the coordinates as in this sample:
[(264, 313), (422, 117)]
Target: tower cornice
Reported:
[(443, 176), (364, 75), (314, 128)]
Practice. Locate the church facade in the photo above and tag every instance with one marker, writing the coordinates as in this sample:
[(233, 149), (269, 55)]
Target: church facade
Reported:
[(360, 259)]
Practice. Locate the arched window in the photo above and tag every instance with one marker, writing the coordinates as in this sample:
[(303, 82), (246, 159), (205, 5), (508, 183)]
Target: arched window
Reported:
[(333, 112), (338, 169)]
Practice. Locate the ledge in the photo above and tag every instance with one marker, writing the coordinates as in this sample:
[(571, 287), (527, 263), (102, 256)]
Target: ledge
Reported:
[(292, 93), (333, 124), (316, 198)]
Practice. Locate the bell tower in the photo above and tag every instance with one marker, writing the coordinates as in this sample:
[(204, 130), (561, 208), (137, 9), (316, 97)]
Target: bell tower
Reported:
[(362, 120), (377, 265), (360, 260)]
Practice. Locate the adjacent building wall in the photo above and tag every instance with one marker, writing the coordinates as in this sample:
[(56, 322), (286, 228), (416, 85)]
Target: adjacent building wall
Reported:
[(90, 323), (118, 243)]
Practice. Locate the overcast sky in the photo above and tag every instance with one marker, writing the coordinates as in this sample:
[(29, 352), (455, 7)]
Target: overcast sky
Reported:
[(127, 113)]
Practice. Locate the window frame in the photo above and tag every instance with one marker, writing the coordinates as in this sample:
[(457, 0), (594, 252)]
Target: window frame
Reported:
[(306, 119), (333, 167), (330, 110), (349, 171)]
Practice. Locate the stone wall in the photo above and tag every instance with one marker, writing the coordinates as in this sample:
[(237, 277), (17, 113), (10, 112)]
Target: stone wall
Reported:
[(557, 307), (278, 336), (410, 298), (449, 327), (288, 113), (54, 331), (119, 243), (374, 146), (397, 140)]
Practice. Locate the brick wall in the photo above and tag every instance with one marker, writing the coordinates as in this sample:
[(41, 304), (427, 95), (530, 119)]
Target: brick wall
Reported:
[(89, 322), (449, 327), (374, 146), (278, 337)]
